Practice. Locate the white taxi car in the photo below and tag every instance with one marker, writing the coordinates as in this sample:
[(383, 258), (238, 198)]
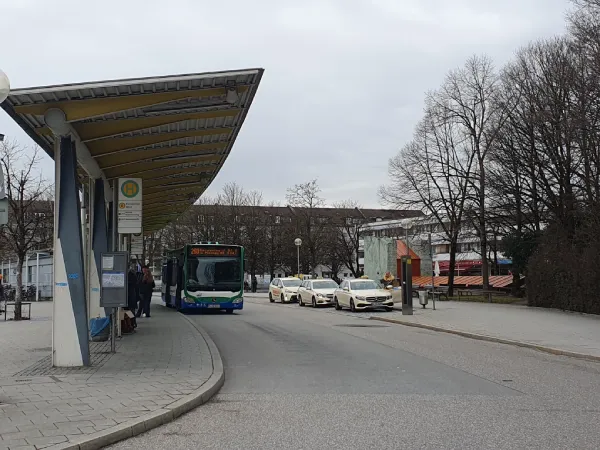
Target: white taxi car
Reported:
[(284, 289), (362, 294), (317, 292)]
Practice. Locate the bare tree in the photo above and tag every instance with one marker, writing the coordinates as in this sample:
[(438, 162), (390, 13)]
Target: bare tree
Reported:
[(30, 208), (468, 99), (433, 173), (254, 233), (232, 197), (346, 238), (304, 199)]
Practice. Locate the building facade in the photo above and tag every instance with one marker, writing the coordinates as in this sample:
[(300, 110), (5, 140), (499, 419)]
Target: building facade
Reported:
[(419, 231)]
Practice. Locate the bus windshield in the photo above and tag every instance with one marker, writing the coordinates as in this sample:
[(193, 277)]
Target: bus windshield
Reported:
[(219, 273)]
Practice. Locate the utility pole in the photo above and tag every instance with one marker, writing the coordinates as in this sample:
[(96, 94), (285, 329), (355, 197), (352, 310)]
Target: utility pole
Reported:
[(4, 90)]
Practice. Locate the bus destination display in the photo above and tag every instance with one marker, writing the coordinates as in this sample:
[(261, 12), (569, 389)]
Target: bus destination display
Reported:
[(215, 251)]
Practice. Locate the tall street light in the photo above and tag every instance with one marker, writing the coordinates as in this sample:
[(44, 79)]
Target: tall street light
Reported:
[(298, 243), (4, 90)]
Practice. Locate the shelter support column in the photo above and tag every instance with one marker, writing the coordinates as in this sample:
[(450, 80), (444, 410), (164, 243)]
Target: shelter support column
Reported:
[(70, 345), (99, 232)]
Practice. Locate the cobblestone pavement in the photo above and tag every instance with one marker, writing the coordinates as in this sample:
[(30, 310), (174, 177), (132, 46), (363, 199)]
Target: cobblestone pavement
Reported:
[(40, 406), (567, 331)]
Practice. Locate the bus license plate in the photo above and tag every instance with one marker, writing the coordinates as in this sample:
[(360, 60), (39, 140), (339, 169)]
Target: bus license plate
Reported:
[(214, 306)]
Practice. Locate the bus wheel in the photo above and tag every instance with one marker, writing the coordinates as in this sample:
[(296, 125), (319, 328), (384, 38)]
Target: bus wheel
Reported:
[(229, 310), (271, 299)]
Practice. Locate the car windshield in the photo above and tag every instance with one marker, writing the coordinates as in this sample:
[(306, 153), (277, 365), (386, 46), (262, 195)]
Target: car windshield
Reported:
[(291, 283), (325, 284), (363, 285), (214, 274)]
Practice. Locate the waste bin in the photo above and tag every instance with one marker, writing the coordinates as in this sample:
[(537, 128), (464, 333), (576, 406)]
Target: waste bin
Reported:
[(423, 298), (100, 329)]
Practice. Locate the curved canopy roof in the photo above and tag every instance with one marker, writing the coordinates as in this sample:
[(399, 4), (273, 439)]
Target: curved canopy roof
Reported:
[(174, 132)]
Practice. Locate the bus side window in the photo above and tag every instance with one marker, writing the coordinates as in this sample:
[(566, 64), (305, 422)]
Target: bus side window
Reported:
[(173, 273), (180, 273)]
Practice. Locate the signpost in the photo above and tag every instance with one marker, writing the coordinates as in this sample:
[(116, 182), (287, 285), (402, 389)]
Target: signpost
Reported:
[(407, 303), (137, 245), (130, 206)]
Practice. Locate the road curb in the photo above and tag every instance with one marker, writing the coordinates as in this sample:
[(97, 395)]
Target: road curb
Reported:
[(483, 337), (161, 416)]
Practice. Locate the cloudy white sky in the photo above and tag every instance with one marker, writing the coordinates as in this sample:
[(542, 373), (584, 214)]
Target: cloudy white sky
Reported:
[(344, 79)]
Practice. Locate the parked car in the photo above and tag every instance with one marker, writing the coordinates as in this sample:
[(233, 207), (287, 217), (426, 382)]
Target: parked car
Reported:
[(317, 292), (362, 294), (284, 289)]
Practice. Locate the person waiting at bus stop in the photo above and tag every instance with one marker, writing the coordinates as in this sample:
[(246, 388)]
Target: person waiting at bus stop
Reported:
[(146, 287), (133, 292)]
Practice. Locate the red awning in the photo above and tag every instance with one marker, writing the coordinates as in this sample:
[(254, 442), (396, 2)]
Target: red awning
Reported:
[(460, 265)]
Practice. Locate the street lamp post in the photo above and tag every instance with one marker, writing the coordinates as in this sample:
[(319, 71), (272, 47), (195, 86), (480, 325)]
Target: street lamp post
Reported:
[(4, 90), (298, 243)]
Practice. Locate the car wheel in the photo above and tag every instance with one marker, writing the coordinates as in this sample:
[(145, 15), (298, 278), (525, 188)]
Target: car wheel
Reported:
[(388, 309), (271, 299), (352, 307), (300, 302), (337, 304), (282, 299)]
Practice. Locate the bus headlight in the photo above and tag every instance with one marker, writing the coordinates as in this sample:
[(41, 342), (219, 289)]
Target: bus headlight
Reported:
[(189, 300), (238, 300)]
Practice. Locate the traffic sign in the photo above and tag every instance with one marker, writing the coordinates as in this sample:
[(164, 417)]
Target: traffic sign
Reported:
[(137, 244), (129, 207)]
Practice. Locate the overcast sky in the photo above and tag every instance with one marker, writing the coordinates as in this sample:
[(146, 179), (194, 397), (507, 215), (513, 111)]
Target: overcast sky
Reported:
[(344, 79)]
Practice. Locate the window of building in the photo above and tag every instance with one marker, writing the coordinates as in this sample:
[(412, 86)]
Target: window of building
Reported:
[(442, 248), (277, 219)]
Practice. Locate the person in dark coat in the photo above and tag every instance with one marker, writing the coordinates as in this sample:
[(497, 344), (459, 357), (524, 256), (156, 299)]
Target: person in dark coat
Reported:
[(133, 292), (146, 287), (254, 283)]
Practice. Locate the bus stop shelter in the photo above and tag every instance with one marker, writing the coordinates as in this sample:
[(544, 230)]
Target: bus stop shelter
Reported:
[(173, 132)]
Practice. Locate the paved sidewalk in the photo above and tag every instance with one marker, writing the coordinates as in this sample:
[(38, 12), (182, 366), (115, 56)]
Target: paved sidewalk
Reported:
[(549, 328), (158, 373)]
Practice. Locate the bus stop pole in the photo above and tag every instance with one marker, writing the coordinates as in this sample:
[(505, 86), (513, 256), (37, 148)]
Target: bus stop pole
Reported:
[(113, 331)]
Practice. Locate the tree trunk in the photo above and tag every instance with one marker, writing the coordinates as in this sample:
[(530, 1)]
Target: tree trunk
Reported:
[(482, 226), (516, 284), (19, 291), (453, 247)]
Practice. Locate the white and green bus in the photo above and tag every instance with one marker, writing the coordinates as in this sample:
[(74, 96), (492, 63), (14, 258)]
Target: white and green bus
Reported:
[(204, 276)]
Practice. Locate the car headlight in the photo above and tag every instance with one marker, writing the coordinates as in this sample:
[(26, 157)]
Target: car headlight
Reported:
[(321, 296), (360, 297), (238, 300), (389, 297)]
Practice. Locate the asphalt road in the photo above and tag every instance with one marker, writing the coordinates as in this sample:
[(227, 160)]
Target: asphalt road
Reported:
[(298, 378)]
